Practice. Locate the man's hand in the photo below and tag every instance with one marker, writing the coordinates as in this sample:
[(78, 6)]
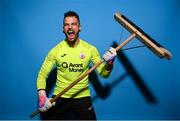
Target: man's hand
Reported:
[(110, 54), (44, 102)]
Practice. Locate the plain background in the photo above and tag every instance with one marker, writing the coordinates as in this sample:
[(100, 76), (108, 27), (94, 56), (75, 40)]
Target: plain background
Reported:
[(30, 28)]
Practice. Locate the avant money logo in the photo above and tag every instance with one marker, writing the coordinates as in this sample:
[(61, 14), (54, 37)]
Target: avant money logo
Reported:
[(73, 67)]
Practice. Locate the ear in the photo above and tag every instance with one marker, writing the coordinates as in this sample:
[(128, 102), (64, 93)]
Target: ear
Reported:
[(79, 28)]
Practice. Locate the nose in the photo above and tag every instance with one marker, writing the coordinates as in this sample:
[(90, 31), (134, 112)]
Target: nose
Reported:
[(70, 26)]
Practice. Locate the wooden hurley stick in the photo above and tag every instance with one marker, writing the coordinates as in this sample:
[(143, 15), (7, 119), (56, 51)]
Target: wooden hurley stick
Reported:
[(84, 75)]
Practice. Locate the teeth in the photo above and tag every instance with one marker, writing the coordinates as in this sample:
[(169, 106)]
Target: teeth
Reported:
[(70, 32)]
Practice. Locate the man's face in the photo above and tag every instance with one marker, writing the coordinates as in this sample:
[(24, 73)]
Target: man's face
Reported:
[(71, 28)]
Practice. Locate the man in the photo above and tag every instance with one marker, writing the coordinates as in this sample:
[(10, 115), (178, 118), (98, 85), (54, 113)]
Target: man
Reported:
[(72, 57)]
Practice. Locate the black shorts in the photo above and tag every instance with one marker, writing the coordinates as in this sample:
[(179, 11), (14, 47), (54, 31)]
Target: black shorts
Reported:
[(71, 109)]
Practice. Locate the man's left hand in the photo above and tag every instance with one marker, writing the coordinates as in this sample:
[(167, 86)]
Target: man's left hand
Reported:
[(110, 54)]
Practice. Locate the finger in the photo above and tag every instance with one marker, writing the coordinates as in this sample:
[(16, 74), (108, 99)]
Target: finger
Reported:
[(110, 51)]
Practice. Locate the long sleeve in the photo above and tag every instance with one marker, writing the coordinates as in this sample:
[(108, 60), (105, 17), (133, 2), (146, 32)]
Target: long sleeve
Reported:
[(103, 72), (46, 67)]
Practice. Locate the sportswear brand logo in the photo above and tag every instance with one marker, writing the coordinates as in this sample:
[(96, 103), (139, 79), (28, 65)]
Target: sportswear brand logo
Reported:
[(63, 55)]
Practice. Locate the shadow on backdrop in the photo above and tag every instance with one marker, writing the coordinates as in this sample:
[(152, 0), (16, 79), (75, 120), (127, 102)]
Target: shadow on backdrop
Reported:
[(103, 92), (139, 82)]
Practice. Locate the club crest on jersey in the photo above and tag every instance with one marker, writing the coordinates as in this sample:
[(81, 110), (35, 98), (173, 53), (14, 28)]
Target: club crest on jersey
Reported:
[(82, 55)]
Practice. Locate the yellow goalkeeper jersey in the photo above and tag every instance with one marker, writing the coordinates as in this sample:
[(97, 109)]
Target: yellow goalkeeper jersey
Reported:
[(71, 62)]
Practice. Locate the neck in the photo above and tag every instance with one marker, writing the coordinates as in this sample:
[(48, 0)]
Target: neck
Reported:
[(73, 43)]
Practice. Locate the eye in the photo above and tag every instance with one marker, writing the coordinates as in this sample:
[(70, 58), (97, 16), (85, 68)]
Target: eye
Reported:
[(66, 24), (74, 24)]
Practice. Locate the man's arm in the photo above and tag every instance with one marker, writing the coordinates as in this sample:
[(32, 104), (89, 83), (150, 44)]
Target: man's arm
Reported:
[(44, 102), (104, 70), (46, 67)]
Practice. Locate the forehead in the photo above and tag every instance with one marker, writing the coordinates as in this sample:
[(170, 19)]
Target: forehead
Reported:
[(70, 19)]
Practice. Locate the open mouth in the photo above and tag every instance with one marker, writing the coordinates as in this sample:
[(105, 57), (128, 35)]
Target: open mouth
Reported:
[(71, 34)]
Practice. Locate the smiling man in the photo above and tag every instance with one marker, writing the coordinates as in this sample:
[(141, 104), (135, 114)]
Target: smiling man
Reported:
[(72, 57)]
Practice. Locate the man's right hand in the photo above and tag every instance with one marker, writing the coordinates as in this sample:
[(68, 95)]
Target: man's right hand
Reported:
[(44, 102)]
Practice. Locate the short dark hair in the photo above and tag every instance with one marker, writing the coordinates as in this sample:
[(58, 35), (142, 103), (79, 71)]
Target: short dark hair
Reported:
[(71, 14)]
